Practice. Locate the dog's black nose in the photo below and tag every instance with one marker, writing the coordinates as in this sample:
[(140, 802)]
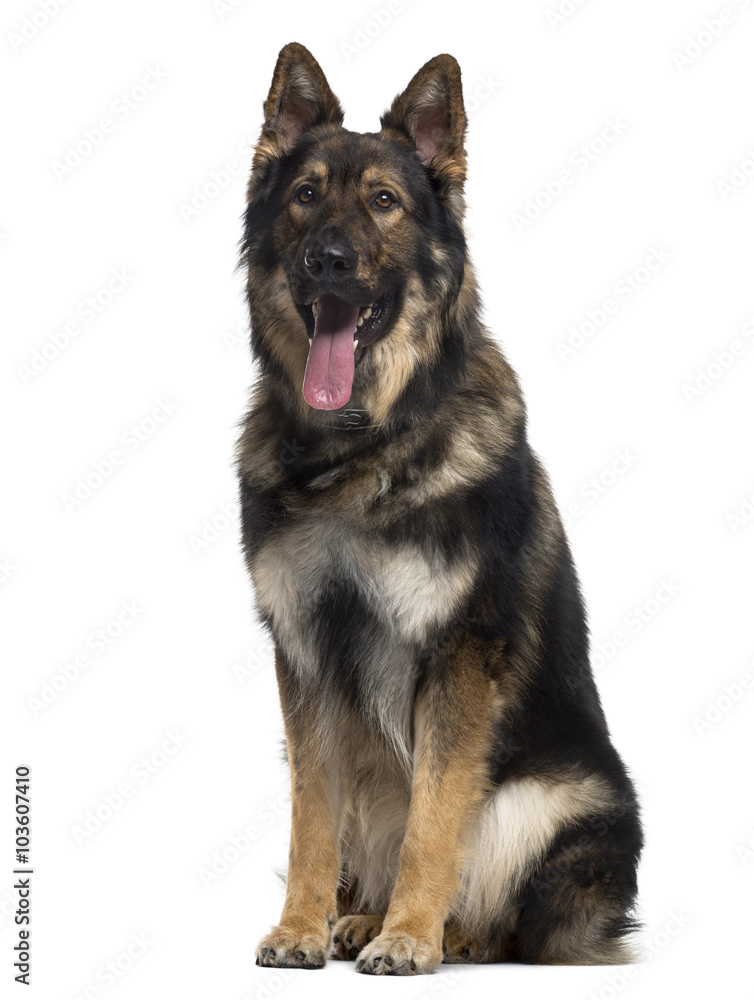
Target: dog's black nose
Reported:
[(331, 260)]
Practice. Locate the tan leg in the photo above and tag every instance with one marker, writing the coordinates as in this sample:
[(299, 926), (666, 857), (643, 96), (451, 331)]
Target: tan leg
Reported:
[(302, 938), (453, 736)]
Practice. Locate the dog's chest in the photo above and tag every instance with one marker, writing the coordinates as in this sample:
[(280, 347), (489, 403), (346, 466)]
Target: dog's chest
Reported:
[(333, 591)]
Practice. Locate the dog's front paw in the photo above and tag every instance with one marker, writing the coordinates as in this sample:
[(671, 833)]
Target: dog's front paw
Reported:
[(287, 948), (399, 955)]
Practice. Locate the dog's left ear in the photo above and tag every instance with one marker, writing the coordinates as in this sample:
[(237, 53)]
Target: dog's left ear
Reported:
[(430, 113)]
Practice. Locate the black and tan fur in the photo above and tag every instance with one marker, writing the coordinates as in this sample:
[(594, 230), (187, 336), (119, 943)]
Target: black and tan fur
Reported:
[(455, 794)]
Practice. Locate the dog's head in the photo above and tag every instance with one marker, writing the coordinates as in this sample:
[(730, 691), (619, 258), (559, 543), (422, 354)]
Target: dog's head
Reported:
[(354, 247)]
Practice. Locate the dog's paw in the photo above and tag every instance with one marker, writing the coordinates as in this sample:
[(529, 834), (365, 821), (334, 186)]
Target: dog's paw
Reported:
[(352, 933), (399, 955), (460, 947), (286, 948)]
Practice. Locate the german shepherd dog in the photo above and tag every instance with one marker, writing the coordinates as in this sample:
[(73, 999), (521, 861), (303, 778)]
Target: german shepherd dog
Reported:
[(455, 794)]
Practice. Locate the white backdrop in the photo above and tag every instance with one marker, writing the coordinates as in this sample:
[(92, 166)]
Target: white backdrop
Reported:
[(611, 189)]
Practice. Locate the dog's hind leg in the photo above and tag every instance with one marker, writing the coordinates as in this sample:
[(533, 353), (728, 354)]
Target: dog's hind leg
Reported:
[(576, 909), (461, 946), (352, 933)]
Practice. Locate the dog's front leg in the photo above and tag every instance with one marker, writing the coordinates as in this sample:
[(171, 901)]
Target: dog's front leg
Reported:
[(302, 938), (453, 725)]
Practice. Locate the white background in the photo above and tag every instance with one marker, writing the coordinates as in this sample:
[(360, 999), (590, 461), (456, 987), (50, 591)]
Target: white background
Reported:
[(159, 199)]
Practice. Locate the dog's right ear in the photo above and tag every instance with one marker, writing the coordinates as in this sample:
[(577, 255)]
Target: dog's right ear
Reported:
[(299, 98)]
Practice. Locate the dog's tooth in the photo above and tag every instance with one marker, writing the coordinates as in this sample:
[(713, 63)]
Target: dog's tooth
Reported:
[(359, 321), (310, 341), (355, 344), (366, 313), (314, 307)]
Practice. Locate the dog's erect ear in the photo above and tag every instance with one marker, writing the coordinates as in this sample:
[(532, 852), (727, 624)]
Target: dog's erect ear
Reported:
[(299, 98), (430, 112)]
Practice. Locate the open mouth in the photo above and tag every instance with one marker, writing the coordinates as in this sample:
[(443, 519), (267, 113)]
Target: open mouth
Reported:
[(341, 332)]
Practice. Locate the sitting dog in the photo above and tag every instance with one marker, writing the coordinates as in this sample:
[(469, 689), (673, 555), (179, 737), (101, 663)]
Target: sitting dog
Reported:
[(455, 794)]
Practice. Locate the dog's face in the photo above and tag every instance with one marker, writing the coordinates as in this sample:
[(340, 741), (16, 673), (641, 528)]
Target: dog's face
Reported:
[(353, 241)]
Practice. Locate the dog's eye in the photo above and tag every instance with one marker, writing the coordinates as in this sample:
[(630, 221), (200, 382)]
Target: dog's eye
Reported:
[(304, 195), (384, 200)]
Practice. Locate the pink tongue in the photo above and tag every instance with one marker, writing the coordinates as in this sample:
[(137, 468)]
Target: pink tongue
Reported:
[(329, 368)]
